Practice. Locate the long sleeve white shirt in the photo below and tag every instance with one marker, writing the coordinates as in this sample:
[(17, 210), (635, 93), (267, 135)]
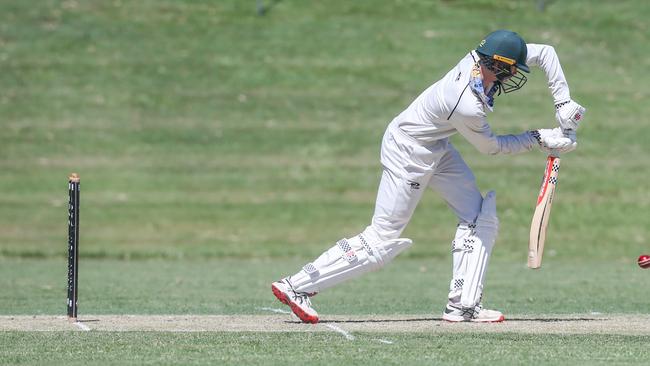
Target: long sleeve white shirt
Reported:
[(449, 106)]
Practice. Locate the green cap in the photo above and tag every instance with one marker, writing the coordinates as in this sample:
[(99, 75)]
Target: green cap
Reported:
[(505, 46)]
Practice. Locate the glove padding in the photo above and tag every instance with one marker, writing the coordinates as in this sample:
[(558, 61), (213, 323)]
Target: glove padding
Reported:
[(554, 141), (569, 114)]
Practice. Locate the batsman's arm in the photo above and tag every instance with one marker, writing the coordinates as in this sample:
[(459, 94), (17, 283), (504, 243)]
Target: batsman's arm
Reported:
[(545, 57), (478, 132)]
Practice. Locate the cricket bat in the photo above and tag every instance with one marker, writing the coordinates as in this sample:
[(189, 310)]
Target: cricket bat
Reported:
[(542, 212)]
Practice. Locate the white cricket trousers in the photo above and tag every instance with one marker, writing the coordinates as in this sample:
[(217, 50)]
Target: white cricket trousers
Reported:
[(411, 166)]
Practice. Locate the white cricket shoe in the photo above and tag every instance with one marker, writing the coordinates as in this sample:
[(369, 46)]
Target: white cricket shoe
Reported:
[(477, 314), (298, 301)]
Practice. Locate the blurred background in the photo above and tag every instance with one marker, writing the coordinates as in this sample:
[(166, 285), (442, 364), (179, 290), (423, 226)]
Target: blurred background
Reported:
[(250, 130)]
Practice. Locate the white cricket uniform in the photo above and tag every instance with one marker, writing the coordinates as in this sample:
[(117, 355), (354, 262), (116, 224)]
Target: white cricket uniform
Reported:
[(416, 152)]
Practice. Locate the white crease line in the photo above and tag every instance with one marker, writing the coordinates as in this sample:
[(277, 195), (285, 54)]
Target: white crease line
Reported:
[(331, 326), (384, 341), (280, 311), (82, 326), (341, 331)]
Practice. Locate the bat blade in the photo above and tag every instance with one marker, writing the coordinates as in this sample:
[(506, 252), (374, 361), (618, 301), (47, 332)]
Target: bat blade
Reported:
[(542, 212)]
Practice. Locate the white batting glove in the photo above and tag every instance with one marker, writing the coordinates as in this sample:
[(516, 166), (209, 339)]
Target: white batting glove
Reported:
[(554, 141), (569, 114), (571, 135)]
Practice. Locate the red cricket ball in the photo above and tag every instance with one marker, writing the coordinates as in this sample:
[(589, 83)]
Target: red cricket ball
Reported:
[(644, 261)]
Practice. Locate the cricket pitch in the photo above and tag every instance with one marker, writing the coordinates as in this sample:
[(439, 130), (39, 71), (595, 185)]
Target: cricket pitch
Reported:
[(628, 324)]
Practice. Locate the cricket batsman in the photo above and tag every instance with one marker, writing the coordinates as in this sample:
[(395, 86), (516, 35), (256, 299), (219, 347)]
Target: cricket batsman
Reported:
[(416, 154)]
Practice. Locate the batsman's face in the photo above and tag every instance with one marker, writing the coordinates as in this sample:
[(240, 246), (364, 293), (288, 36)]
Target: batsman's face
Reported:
[(505, 72), (513, 72), (489, 76)]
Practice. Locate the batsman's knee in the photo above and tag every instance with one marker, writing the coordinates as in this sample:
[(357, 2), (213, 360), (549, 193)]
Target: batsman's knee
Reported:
[(379, 252)]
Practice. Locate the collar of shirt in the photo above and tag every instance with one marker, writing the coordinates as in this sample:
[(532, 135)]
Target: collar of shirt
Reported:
[(476, 84)]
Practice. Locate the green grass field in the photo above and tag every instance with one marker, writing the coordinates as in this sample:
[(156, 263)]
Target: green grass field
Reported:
[(220, 150)]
